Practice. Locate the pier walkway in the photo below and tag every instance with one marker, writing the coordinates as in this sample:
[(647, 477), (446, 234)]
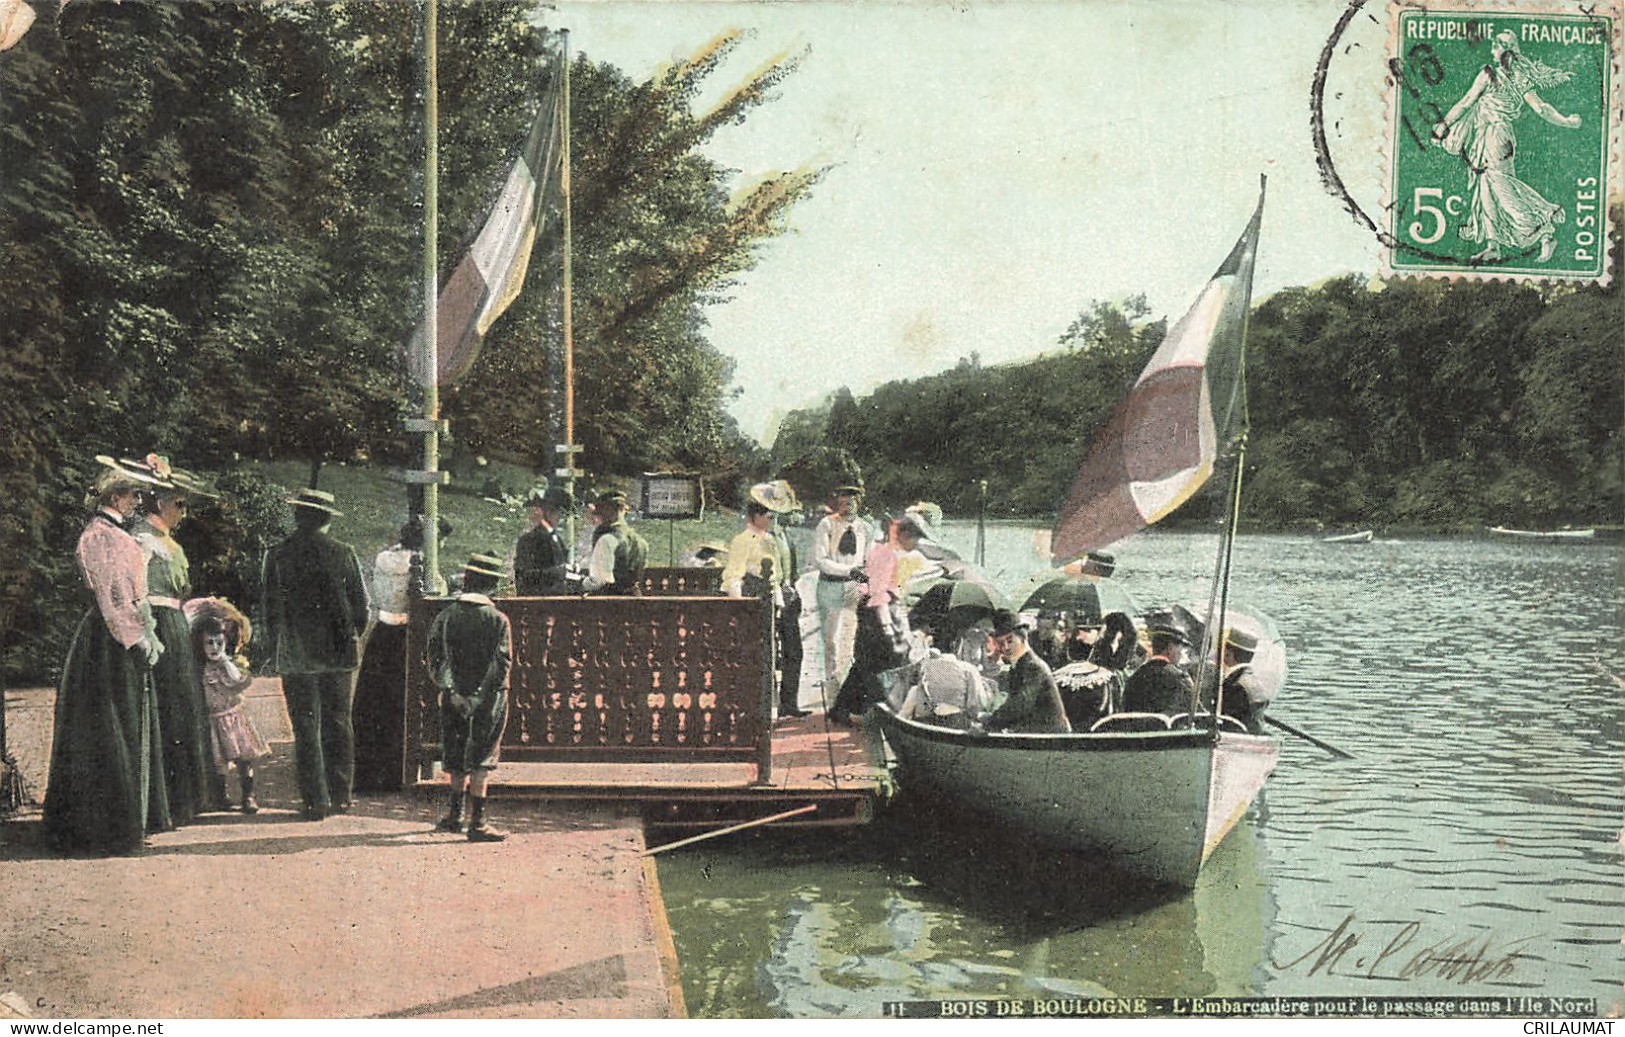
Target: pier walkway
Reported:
[(373, 913)]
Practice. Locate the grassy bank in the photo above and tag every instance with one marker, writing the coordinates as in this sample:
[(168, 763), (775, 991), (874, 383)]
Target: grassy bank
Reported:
[(374, 507)]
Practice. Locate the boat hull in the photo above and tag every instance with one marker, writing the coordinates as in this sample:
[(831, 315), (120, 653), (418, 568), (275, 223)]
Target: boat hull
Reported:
[(1154, 804), (1365, 536), (1546, 534)]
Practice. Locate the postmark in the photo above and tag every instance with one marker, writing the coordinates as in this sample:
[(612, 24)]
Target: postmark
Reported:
[(1502, 133)]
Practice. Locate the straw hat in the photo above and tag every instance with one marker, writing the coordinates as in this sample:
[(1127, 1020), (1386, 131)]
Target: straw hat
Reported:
[(316, 500), (484, 565)]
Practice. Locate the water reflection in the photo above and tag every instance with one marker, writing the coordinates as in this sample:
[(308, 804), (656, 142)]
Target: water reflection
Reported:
[(913, 909)]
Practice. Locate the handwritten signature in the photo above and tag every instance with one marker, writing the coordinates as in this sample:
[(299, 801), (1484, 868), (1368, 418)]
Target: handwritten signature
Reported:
[(1358, 950)]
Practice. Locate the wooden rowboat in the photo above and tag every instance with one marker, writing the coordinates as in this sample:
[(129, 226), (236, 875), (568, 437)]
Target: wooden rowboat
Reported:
[(1154, 803), (1362, 537), (1549, 534)]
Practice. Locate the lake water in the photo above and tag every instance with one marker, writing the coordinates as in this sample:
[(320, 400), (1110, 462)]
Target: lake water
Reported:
[(1476, 682)]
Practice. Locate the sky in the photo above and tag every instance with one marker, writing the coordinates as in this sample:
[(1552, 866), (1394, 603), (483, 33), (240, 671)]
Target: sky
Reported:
[(997, 166)]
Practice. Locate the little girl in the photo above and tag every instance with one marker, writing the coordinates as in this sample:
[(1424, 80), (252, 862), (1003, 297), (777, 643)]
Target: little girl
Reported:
[(217, 634)]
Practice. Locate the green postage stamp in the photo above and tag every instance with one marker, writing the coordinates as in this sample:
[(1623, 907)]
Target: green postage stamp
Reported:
[(1502, 140)]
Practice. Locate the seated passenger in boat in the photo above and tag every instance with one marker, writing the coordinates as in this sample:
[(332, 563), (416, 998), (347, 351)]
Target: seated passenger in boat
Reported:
[(1033, 703), (948, 692), (1050, 638), (1092, 688), (1161, 685), (1242, 693)]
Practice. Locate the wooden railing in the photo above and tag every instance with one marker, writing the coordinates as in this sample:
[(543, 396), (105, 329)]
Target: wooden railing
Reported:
[(618, 679), (679, 582)]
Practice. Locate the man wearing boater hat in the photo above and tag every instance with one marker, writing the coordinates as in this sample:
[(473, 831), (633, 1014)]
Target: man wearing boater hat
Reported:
[(470, 655), (762, 541), (315, 608), (1161, 685)]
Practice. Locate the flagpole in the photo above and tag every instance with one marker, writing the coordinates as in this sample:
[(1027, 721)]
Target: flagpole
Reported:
[(568, 449), (1219, 598), (431, 315)]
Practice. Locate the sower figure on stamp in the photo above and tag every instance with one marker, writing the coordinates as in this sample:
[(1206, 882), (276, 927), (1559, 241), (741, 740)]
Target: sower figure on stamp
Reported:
[(1506, 214), (315, 608), (470, 653)]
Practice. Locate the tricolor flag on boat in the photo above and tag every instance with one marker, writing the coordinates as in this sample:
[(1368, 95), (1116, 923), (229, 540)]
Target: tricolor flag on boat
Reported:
[(490, 275), (1159, 445)]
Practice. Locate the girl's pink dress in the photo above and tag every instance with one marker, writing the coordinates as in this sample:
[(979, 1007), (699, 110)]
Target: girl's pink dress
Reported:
[(234, 735)]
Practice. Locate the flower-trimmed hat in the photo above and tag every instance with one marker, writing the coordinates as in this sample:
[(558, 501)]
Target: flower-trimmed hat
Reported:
[(776, 496), (316, 500), (116, 474)]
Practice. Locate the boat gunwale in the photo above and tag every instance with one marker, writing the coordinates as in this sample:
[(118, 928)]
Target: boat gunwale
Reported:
[(1088, 741)]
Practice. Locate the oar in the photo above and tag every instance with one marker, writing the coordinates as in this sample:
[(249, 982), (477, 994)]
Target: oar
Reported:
[(731, 828), (1288, 728)]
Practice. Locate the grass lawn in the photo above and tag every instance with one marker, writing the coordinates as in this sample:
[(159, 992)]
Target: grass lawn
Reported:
[(374, 507)]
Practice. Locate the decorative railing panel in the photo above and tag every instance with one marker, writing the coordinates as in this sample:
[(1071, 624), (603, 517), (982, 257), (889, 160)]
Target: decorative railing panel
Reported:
[(680, 582), (632, 679)]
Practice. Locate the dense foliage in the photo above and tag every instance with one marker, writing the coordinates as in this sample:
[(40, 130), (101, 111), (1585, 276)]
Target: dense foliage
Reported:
[(211, 220), (1416, 404)]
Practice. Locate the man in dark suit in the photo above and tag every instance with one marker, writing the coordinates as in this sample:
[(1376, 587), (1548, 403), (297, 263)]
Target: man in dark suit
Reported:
[(1161, 685), (315, 609), (539, 559), (1033, 704)]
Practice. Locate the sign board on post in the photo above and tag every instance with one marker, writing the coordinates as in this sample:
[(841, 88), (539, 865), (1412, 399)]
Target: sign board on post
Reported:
[(670, 495)]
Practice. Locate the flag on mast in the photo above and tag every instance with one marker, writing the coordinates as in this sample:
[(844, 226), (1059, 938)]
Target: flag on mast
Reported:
[(1159, 445), (490, 275)]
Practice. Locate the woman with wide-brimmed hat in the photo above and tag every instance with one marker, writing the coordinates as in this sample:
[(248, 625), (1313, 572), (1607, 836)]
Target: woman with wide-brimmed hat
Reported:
[(183, 718), (105, 791)]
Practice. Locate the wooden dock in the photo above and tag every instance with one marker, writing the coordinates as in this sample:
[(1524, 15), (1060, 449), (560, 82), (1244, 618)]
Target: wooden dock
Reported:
[(839, 770)]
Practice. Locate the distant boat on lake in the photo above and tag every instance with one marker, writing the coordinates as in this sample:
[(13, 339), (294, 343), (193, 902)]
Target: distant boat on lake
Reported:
[(1362, 537), (1548, 534)]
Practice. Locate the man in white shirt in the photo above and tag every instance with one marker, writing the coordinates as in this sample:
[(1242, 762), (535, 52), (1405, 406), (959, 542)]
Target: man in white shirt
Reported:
[(839, 545)]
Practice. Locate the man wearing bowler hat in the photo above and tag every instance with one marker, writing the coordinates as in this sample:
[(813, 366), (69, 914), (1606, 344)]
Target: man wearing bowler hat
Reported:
[(1161, 685), (540, 560), (1242, 693), (1033, 703), (315, 608)]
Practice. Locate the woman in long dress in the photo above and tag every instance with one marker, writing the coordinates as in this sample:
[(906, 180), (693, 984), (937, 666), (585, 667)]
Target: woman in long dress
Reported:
[(1505, 214), (378, 715), (105, 791), (183, 718)]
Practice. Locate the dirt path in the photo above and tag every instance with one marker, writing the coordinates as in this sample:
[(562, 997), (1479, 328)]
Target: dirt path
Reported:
[(366, 914)]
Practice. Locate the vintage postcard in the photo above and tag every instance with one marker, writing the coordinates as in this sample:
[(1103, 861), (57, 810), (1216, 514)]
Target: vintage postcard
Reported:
[(610, 509)]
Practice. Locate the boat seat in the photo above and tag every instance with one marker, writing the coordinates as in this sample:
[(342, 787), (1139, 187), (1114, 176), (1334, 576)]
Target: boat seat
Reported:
[(1205, 721), (1131, 722)]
